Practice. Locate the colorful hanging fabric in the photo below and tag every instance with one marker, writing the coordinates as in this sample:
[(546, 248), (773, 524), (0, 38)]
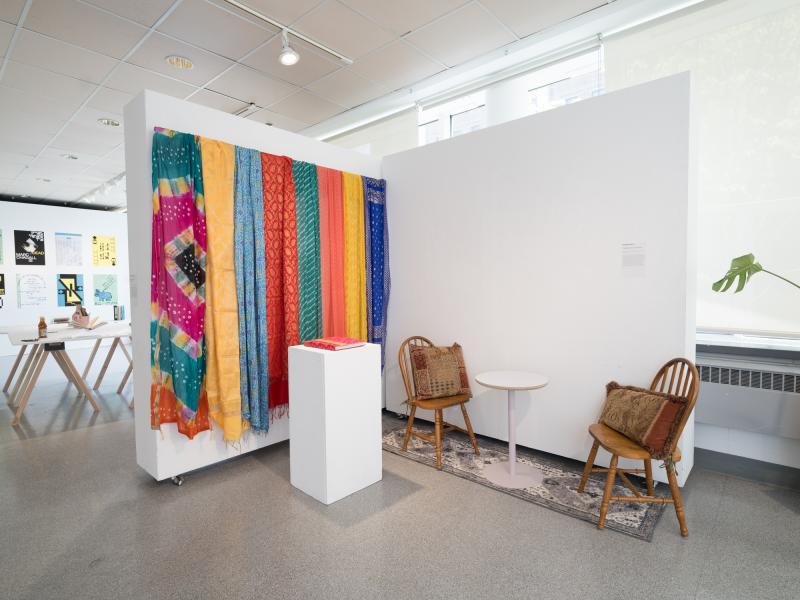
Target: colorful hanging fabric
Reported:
[(251, 288), (222, 313), (355, 278), (308, 250), (280, 235), (377, 260), (331, 232), (178, 357)]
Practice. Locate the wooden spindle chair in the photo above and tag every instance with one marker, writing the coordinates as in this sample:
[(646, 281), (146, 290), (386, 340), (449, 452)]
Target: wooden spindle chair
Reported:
[(435, 404), (680, 378)]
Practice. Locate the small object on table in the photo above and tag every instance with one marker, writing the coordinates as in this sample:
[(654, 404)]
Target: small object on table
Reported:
[(42, 327), (334, 343), (60, 320), (511, 474)]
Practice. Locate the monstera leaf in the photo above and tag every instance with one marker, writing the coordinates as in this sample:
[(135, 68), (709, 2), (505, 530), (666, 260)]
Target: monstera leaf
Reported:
[(742, 269)]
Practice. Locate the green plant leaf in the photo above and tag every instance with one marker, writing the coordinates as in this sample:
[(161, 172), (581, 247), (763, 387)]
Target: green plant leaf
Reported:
[(742, 269)]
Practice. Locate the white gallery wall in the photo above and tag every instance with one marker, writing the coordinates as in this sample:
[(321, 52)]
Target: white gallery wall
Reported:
[(52, 220), (172, 453), (561, 243)]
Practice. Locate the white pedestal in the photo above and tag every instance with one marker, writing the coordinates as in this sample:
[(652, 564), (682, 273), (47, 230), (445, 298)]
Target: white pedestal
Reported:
[(335, 421)]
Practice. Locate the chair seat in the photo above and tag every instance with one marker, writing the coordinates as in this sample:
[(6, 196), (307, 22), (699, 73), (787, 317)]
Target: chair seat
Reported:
[(439, 403), (621, 445)]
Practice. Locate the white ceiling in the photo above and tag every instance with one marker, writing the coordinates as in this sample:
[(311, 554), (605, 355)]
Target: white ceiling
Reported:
[(67, 63)]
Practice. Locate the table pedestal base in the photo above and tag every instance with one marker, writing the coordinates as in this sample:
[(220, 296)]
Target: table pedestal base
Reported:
[(524, 476)]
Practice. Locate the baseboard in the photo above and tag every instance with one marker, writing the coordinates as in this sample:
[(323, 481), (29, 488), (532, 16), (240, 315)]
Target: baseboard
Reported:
[(747, 468)]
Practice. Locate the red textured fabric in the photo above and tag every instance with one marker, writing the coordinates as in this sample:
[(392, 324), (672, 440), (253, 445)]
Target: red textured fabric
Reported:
[(331, 249), (283, 298)]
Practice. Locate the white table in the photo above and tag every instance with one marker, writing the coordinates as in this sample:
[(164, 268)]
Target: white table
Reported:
[(511, 474), (55, 343)]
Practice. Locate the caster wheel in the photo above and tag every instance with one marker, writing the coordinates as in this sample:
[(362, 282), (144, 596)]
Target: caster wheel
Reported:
[(177, 480)]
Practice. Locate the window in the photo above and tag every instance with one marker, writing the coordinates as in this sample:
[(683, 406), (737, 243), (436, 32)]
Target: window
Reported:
[(428, 132), (566, 82), (468, 120)]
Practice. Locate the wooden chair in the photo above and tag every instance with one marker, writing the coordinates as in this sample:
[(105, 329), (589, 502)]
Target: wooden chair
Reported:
[(679, 377), (435, 404)]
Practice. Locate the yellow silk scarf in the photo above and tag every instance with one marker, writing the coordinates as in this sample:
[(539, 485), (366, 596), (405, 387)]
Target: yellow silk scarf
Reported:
[(222, 313), (355, 274)]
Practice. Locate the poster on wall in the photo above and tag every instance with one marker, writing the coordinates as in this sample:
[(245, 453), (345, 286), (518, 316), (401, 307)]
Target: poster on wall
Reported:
[(70, 289), (2, 287), (68, 249), (1, 246), (104, 251), (29, 247), (105, 289), (31, 290)]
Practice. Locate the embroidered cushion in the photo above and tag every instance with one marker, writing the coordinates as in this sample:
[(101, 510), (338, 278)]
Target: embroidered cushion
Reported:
[(649, 418), (439, 372)]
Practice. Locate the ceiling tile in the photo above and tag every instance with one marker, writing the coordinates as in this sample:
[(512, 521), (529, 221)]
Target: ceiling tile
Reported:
[(525, 17), (342, 29), (10, 10), (83, 139), (82, 161), (396, 65), (312, 65), (51, 54), (132, 79), (12, 100), (14, 158), (405, 16), (248, 85), (199, 22), (347, 88), (71, 92), (89, 116), (15, 122), (6, 32), (464, 34), (145, 12), (29, 143), (54, 168), (306, 107), (268, 117), (218, 101), (110, 100), (282, 11), (83, 25), (157, 47), (9, 171)]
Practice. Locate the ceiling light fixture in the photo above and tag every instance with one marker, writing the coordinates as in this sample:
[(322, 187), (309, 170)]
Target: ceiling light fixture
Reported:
[(284, 28), (69, 156), (108, 122), (288, 55), (179, 62)]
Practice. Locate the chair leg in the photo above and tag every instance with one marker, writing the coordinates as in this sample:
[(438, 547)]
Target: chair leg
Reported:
[(612, 473), (648, 473), (438, 430), (409, 427), (676, 497), (469, 429), (587, 470)]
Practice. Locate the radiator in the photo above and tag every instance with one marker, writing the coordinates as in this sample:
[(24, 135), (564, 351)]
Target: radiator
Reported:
[(749, 394)]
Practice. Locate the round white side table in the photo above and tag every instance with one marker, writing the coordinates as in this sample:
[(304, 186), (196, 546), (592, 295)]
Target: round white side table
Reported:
[(511, 474)]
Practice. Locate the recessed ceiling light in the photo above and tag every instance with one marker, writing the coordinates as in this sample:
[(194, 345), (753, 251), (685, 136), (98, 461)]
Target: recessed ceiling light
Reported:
[(69, 156), (179, 62), (108, 122), (288, 55), (44, 179)]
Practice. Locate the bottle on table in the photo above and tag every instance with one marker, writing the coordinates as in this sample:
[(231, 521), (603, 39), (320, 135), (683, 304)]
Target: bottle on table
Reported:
[(42, 327)]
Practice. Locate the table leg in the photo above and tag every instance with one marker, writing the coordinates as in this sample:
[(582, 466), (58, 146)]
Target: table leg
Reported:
[(25, 370), (91, 358), (78, 380), (107, 362), (29, 385), (512, 436), (14, 368), (125, 378)]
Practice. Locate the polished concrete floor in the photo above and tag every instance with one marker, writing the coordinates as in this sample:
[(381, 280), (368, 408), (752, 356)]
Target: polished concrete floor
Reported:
[(79, 519)]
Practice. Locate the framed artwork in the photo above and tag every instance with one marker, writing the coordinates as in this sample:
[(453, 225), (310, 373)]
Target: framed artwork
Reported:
[(2, 284), (1, 246), (28, 247), (70, 289), (31, 290), (104, 251), (68, 249)]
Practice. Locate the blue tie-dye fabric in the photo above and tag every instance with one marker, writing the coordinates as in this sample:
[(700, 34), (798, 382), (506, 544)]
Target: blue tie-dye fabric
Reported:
[(377, 256)]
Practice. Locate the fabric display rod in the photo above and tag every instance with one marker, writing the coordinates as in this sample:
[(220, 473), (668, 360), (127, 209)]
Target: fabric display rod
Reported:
[(253, 253)]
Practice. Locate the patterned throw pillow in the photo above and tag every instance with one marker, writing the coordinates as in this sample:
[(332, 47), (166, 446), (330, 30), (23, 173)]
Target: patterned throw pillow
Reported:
[(439, 372), (649, 418)]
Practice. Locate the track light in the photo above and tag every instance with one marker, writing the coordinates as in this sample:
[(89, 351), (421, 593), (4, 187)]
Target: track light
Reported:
[(288, 55)]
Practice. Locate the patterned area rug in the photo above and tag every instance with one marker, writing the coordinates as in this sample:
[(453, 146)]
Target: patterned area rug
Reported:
[(558, 491)]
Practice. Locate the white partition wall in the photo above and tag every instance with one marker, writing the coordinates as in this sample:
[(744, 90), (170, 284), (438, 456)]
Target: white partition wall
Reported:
[(173, 453), (561, 243)]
